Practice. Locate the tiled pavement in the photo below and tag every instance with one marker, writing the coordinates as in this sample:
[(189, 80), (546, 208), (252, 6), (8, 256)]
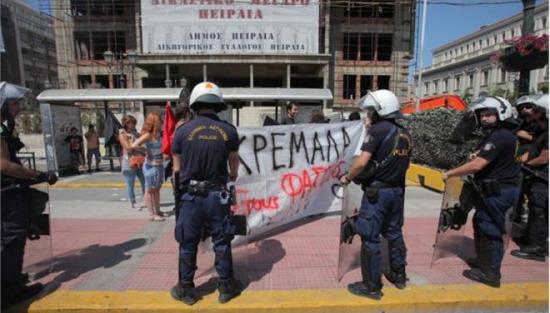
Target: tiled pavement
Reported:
[(134, 254)]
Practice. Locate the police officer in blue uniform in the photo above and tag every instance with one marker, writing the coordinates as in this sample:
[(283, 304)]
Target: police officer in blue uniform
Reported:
[(536, 163), (203, 150), (381, 169), (497, 176), (15, 211)]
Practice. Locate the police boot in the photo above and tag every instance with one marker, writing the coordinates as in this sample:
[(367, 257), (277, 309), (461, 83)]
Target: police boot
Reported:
[(397, 277), (368, 287), (19, 293), (229, 289), (538, 232), (488, 272), (184, 292), (474, 262)]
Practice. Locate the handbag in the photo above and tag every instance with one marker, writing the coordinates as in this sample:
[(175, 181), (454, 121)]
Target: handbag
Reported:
[(136, 161)]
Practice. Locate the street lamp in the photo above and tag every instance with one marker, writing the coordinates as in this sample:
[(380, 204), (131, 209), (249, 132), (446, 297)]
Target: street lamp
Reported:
[(168, 83)]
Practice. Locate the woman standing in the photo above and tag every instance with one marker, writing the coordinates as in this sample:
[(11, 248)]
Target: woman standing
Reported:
[(152, 168), (126, 137)]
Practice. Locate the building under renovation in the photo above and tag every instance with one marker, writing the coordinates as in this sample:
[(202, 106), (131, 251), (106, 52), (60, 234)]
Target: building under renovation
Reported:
[(347, 47)]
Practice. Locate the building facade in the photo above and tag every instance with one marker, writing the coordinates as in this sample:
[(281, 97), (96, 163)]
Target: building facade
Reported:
[(30, 57), (360, 46), (463, 66)]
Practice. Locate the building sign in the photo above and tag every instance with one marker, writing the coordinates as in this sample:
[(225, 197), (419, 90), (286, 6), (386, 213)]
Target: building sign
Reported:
[(230, 26)]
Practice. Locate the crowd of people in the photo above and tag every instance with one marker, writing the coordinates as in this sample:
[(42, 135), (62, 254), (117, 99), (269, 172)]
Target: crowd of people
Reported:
[(205, 159)]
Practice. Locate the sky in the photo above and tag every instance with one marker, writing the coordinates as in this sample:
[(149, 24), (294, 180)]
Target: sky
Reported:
[(444, 23)]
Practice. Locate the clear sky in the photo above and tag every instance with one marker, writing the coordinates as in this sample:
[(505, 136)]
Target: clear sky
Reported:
[(444, 23)]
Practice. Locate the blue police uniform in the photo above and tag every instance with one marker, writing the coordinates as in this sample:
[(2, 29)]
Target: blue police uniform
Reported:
[(382, 204), (498, 182), (536, 247), (15, 220), (204, 145)]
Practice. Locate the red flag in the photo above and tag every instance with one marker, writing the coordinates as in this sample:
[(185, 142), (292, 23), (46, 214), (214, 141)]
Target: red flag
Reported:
[(168, 131)]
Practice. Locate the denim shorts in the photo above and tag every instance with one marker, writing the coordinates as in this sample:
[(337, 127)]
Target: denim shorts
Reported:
[(154, 175)]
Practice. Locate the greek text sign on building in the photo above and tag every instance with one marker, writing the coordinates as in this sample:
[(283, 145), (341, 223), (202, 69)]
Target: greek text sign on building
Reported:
[(230, 26)]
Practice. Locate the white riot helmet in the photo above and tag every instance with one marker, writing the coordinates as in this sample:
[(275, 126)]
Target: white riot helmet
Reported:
[(541, 101), (207, 95), (384, 102), (523, 100), (501, 106)]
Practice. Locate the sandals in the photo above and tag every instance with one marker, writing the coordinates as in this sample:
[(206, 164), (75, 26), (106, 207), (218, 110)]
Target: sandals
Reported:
[(156, 218)]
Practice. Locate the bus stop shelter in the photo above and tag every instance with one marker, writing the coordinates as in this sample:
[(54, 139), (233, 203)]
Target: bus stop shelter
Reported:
[(60, 108)]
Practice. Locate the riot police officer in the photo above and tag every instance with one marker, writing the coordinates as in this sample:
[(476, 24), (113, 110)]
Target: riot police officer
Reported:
[(203, 150), (496, 170), (15, 212), (536, 167), (381, 169)]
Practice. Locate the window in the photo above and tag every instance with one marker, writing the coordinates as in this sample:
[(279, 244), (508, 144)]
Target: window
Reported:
[(383, 82), (487, 42), (367, 47), (425, 89), (384, 47), (365, 84), (471, 80), (513, 33), (364, 9), (502, 76), (351, 43), (445, 85), (82, 45), (84, 81), (544, 22), (436, 87), (457, 82), (79, 8), (485, 78), (349, 86), (495, 39)]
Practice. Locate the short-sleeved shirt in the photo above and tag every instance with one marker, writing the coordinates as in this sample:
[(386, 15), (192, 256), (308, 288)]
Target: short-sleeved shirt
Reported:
[(75, 142), (382, 139), (501, 149), (288, 120), (204, 145), (92, 140)]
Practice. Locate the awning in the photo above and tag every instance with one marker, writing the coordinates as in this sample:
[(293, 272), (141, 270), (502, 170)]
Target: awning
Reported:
[(120, 95), (173, 94)]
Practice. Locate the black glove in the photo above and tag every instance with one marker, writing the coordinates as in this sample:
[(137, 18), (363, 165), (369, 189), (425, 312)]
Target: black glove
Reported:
[(453, 218), (49, 177), (348, 229)]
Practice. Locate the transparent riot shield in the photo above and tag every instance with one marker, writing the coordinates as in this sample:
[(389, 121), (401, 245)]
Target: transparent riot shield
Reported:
[(38, 249), (450, 237), (349, 256)]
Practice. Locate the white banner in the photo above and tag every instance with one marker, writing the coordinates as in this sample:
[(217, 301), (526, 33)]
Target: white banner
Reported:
[(230, 26), (289, 172)]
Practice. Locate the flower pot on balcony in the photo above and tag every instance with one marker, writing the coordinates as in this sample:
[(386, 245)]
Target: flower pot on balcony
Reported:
[(514, 62)]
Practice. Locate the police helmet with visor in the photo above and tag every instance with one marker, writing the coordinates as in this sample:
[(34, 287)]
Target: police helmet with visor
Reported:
[(384, 103), (207, 95)]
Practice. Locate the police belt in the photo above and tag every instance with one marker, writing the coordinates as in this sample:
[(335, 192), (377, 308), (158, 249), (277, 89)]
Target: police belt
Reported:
[(202, 187), (379, 185)]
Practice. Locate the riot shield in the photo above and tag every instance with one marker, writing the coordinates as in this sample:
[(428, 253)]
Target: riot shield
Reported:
[(454, 235), (450, 237), (349, 256), (38, 249)]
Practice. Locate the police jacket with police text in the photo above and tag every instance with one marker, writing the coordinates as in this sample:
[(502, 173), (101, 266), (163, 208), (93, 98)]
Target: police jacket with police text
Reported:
[(501, 148), (390, 146), (204, 145)]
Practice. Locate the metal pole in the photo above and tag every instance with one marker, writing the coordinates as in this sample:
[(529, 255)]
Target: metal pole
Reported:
[(421, 56), (109, 151), (527, 28)]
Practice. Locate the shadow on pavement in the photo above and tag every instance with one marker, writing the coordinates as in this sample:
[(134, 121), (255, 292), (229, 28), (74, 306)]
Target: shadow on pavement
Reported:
[(72, 264), (250, 263)]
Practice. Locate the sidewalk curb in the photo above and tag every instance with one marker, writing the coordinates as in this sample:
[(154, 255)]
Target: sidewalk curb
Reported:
[(429, 298)]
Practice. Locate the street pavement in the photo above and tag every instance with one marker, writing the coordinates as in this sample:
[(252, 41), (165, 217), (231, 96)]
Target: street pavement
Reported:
[(99, 243)]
